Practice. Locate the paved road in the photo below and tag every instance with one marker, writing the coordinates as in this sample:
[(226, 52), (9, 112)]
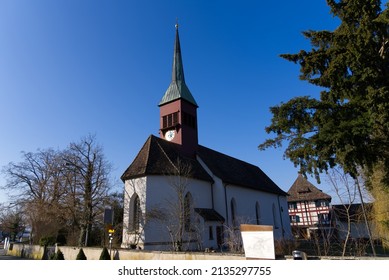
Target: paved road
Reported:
[(3, 256)]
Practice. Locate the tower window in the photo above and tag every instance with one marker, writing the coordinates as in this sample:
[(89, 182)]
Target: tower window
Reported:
[(189, 120), (170, 120)]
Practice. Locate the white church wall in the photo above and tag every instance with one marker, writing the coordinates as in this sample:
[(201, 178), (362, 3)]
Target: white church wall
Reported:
[(160, 189), (287, 234), (131, 187), (161, 197), (208, 240), (219, 202), (246, 210), (157, 192)]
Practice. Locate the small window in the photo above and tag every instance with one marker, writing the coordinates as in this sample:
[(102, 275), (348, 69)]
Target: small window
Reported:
[(233, 213), (257, 213), (322, 203), (136, 213), (188, 208), (164, 121), (210, 232), (323, 218), (294, 218), (170, 120), (175, 118), (292, 205), (189, 120), (275, 219)]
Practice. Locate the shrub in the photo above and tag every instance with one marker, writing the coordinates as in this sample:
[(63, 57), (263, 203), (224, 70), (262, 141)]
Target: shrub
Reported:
[(58, 255), (81, 255), (47, 241), (45, 255), (105, 254)]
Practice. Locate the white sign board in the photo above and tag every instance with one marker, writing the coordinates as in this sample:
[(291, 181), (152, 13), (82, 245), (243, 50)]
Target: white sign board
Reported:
[(258, 241)]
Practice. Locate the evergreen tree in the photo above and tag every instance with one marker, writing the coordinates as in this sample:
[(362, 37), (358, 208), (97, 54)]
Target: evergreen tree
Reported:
[(58, 255), (81, 255), (348, 125), (105, 254)]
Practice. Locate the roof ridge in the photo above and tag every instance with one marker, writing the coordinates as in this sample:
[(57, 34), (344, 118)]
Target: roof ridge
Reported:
[(234, 158), (166, 155), (146, 146), (232, 170), (148, 142)]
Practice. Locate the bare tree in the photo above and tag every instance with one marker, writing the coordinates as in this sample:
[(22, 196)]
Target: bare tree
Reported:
[(233, 240), (12, 222), (348, 191), (91, 170), (60, 191), (179, 212), (35, 186)]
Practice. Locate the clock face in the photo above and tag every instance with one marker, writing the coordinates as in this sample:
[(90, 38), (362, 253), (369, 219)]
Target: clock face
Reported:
[(170, 135)]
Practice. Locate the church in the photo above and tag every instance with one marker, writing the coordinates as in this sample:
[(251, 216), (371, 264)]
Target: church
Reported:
[(180, 195)]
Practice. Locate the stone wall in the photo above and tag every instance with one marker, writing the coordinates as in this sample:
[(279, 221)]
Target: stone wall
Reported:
[(70, 253)]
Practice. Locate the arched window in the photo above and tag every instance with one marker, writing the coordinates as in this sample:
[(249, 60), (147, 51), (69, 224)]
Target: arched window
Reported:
[(188, 208), (275, 220), (135, 213), (257, 213), (233, 212)]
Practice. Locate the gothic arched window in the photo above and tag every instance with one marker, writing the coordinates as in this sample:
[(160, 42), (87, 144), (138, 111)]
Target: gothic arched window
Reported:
[(233, 212), (135, 213), (188, 208), (257, 213), (275, 219)]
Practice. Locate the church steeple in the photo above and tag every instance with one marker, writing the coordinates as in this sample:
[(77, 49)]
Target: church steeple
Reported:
[(178, 108), (177, 88)]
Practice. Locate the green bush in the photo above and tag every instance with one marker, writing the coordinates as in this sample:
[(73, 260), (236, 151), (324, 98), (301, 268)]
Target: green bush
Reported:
[(47, 241), (105, 254), (58, 255), (81, 255), (45, 255)]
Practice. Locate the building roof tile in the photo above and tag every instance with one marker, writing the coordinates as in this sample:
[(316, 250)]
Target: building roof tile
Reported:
[(158, 157), (303, 190)]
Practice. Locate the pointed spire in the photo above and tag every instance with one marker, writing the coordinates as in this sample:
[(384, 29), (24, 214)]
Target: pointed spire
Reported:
[(178, 69), (177, 89)]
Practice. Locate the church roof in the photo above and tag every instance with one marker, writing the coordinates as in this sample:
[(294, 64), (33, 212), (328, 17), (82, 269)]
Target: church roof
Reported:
[(237, 172), (177, 88), (302, 190), (158, 157)]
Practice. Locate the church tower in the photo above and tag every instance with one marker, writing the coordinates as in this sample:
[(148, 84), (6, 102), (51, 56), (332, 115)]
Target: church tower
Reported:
[(178, 108)]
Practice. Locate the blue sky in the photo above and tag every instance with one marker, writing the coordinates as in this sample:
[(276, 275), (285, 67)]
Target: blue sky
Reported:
[(78, 67)]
